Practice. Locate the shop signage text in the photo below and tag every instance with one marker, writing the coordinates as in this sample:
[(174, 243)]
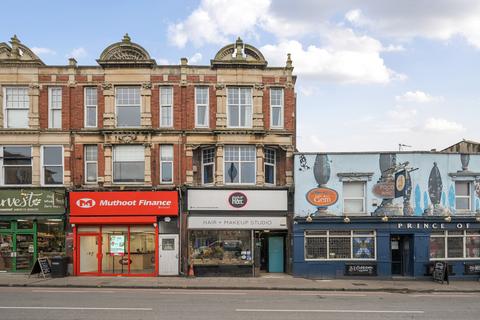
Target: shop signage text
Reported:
[(433, 226), (322, 197), (384, 190), (237, 222), (472, 268), (238, 200), (27, 201), (124, 203), (360, 269)]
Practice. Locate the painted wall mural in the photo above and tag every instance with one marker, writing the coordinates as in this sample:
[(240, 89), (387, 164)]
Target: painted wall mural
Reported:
[(429, 183)]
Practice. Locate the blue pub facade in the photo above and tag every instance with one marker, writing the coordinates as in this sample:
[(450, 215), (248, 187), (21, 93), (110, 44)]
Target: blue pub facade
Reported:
[(386, 214)]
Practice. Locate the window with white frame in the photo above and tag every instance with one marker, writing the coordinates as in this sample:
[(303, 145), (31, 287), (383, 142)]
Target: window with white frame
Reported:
[(129, 164), (201, 107), (463, 196), (52, 165), (166, 107), (240, 165), (91, 163), (208, 165), (166, 164), (354, 197), (127, 101), (269, 166), (340, 245), (17, 165), (239, 107), (91, 107), (55, 108), (453, 244), (276, 108), (16, 105)]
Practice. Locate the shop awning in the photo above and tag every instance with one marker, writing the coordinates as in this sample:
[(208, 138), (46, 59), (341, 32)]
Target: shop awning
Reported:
[(114, 220)]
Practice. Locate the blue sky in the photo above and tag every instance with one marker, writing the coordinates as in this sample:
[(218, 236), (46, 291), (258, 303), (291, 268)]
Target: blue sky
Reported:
[(371, 74)]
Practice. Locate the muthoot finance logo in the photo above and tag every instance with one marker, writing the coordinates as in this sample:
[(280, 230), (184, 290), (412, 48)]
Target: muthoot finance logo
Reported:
[(85, 203)]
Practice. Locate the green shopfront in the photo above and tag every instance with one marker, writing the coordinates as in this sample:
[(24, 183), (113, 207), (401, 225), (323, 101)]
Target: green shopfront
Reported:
[(32, 225)]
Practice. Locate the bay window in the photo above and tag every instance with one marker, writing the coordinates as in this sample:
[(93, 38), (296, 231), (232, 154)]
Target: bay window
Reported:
[(127, 101), (129, 164), (240, 165), (55, 108), (239, 107), (17, 165), (340, 245), (52, 165), (208, 165), (16, 106)]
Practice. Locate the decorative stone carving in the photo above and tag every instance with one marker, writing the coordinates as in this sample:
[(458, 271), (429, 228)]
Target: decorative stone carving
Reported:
[(125, 54), (259, 86), (147, 85), (239, 54), (34, 86), (18, 54), (107, 86), (219, 86), (127, 138)]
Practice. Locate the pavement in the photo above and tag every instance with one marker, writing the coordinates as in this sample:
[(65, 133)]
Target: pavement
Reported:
[(265, 282)]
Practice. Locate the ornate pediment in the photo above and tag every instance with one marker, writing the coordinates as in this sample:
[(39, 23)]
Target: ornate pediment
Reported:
[(239, 55), (125, 54), (18, 54)]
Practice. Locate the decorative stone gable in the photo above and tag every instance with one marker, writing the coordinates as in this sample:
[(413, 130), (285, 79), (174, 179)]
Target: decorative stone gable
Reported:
[(125, 54), (18, 54), (239, 55)]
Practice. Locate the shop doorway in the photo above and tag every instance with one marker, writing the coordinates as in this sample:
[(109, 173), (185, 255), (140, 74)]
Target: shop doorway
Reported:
[(271, 252), (168, 254), (401, 247), (17, 252)]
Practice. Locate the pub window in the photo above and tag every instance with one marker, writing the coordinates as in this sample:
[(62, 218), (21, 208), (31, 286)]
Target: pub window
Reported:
[(339, 245), (128, 164), (201, 107), (52, 165), (354, 197), (91, 107), (276, 108), (239, 165), (55, 108), (127, 101), (463, 196), (270, 166), (16, 104), (463, 244), (166, 164), (91, 163), (208, 165), (239, 107), (166, 107), (17, 165)]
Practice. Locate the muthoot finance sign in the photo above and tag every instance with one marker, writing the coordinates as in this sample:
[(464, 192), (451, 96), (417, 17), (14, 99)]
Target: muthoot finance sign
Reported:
[(124, 203)]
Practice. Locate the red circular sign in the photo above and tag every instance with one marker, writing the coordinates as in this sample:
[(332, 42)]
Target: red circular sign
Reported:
[(237, 200)]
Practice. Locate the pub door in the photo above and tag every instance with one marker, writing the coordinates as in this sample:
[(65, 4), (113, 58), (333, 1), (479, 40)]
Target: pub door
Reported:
[(401, 247)]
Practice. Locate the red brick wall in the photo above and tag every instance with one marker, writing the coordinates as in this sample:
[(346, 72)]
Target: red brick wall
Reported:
[(62, 77), (101, 161), (66, 105), (155, 168), (78, 165), (98, 78), (44, 78), (289, 107), (177, 107), (188, 111), (77, 107), (101, 106), (43, 107), (266, 108), (80, 78), (155, 106), (281, 167)]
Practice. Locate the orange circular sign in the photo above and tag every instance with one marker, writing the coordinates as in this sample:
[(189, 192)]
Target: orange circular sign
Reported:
[(322, 197)]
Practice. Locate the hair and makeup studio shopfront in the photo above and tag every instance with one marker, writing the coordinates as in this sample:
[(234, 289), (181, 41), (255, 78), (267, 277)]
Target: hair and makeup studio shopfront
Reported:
[(237, 232), (117, 233), (32, 222)]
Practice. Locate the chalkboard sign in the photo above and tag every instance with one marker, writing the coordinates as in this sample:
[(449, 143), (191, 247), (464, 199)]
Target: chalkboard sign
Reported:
[(440, 271), (472, 268), (42, 267), (360, 269)]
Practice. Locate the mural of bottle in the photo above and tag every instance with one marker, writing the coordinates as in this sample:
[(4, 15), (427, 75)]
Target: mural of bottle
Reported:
[(418, 201), (465, 159), (321, 172), (386, 162), (407, 207), (435, 187)]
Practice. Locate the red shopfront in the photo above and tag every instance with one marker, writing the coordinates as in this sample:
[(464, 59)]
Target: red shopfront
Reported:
[(117, 233)]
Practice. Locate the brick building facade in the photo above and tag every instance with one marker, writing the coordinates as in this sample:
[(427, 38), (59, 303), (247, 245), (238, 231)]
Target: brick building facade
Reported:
[(129, 124)]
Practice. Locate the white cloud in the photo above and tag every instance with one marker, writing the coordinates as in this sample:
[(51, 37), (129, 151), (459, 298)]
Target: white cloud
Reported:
[(77, 53), (215, 21), (196, 58), (402, 114), (417, 97), (161, 61), (346, 58), (43, 51), (438, 124)]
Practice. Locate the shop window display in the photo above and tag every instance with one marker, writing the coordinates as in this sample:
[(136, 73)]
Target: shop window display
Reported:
[(50, 238), (221, 247)]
